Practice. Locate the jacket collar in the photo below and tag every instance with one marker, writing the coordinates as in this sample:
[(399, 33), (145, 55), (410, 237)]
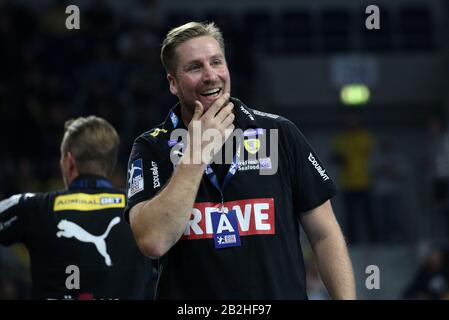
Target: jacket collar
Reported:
[(90, 182), (244, 117)]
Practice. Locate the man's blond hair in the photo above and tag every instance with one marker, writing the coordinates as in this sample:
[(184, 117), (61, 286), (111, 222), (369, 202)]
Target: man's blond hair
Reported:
[(94, 144), (183, 33)]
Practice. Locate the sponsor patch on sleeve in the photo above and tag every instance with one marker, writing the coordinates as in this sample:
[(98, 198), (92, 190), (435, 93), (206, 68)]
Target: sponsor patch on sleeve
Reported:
[(135, 178)]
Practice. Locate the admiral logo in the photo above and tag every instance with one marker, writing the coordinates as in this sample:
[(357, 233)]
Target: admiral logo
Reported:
[(135, 180), (156, 182), (318, 168), (254, 217), (242, 108), (110, 200), (88, 202)]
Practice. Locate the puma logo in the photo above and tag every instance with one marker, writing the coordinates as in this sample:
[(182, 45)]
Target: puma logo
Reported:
[(70, 229)]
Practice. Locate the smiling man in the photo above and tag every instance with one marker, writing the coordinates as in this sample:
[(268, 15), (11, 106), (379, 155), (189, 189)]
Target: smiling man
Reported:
[(197, 72), (225, 230)]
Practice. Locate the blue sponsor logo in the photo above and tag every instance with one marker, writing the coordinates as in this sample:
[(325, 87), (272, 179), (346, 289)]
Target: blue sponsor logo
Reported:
[(135, 181), (172, 142), (265, 163), (174, 119), (253, 132), (209, 170)]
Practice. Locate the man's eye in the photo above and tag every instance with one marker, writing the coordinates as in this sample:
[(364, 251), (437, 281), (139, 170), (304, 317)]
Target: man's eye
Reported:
[(216, 62), (194, 67)]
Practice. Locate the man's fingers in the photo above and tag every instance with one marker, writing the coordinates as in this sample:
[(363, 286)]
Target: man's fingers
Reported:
[(217, 105), (228, 120), (198, 110), (228, 131), (224, 112)]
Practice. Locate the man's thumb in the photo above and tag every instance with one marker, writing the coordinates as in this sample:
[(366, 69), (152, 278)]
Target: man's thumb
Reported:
[(198, 110)]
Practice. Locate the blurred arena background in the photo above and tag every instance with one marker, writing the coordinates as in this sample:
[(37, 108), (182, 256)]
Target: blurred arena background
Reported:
[(374, 103)]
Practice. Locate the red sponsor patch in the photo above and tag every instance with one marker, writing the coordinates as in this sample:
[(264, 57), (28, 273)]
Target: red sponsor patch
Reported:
[(254, 216)]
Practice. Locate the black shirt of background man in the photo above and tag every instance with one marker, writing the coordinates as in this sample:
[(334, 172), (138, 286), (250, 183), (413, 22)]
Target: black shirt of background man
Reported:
[(83, 227)]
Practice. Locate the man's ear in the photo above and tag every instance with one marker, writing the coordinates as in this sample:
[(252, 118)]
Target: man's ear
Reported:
[(71, 166), (173, 85)]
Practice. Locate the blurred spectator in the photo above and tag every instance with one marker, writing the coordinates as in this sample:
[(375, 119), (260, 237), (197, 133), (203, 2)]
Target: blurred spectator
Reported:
[(388, 169), (147, 11), (439, 147), (437, 162), (53, 21), (8, 289), (352, 151), (15, 280), (432, 279), (138, 42), (100, 22), (25, 178)]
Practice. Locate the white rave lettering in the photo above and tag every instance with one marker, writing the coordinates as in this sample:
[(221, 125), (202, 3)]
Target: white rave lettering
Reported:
[(193, 223), (260, 216), (208, 212), (254, 216), (224, 224), (243, 219)]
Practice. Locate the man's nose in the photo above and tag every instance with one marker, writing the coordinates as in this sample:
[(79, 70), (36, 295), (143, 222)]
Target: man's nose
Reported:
[(210, 74)]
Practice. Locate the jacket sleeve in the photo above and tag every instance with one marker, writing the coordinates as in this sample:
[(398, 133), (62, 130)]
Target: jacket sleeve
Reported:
[(148, 171), (312, 184), (15, 214)]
